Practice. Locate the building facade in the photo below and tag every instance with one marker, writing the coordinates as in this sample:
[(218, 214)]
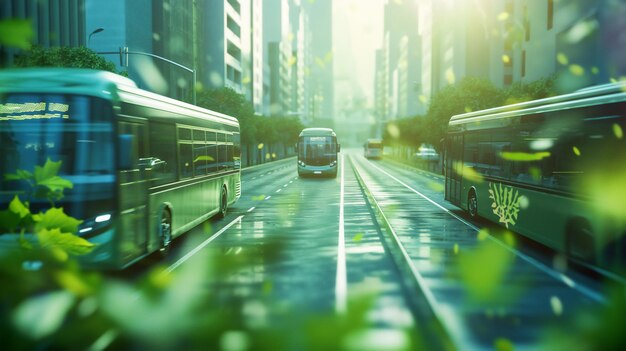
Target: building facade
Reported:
[(53, 22)]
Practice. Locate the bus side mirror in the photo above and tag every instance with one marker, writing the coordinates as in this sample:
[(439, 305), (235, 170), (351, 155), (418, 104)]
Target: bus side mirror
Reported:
[(338, 147), (125, 152)]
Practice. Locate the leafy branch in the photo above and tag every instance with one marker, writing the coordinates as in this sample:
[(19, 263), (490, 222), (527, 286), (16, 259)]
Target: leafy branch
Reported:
[(53, 227)]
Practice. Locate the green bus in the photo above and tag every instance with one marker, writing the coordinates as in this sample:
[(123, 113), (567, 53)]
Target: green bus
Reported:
[(317, 152), (552, 169), (145, 168), (373, 148)]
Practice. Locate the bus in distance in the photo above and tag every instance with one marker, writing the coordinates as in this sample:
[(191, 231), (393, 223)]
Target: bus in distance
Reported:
[(373, 148), (317, 152), (551, 169), (145, 168)]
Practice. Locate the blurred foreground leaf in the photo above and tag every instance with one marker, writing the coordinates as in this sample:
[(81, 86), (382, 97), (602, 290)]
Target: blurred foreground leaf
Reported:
[(16, 33)]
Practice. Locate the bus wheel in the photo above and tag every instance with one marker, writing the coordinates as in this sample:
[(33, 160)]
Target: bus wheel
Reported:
[(165, 233), (472, 204), (579, 240), (223, 203)]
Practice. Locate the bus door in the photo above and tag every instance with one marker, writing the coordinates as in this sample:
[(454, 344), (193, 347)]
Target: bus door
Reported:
[(453, 160), (133, 193)]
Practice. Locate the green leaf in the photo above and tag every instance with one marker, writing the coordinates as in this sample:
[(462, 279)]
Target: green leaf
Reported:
[(20, 175), (49, 170), (55, 218), (68, 242), (16, 206), (56, 184), (17, 33)]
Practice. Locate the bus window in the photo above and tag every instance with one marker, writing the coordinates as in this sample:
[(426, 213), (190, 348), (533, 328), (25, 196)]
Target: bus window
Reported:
[(163, 149), (185, 164)]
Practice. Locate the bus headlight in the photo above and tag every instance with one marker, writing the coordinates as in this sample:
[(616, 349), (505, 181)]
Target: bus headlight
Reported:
[(301, 163), (333, 164), (93, 225)]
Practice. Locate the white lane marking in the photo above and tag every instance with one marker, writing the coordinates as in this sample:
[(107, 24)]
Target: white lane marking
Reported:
[(552, 273), (267, 198), (203, 244), (341, 281), (251, 209), (284, 186), (278, 191)]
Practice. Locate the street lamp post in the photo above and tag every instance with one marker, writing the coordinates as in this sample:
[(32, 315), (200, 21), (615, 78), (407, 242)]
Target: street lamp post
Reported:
[(97, 30), (124, 62)]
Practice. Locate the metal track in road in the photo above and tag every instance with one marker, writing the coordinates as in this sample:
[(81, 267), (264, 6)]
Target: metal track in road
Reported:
[(426, 311), (427, 239)]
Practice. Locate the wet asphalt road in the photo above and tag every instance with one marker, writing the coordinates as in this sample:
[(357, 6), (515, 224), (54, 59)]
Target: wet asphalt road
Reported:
[(482, 289)]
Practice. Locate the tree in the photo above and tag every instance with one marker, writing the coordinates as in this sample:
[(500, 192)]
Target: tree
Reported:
[(229, 102), (539, 89), (470, 94), (74, 57)]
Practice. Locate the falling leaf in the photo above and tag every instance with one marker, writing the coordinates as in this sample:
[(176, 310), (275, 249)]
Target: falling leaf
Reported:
[(450, 78), (260, 146), (503, 16), (524, 156), (617, 130), (506, 59), (557, 306), (576, 151), (577, 70), (357, 237), (456, 249), (562, 59), (393, 130), (483, 234)]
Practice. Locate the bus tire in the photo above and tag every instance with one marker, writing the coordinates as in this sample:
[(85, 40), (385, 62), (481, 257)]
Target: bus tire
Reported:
[(472, 204), (165, 233), (579, 240), (223, 203)]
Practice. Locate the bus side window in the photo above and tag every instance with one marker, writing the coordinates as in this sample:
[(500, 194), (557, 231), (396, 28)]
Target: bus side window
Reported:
[(162, 153), (185, 159)]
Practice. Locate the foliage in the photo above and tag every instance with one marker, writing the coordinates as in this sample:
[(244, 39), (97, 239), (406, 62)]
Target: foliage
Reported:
[(468, 95), (74, 57), (539, 89), (53, 228), (254, 129), (229, 102)]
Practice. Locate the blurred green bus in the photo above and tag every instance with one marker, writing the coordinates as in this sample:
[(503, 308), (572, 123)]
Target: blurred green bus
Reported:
[(552, 169), (145, 168), (317, 152), (373, 148)]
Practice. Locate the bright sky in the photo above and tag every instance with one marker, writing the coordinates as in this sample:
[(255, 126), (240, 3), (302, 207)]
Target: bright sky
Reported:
[(357, 33)]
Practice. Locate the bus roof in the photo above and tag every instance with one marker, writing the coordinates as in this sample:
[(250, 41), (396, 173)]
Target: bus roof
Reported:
[(102, 84), (317, 132), (62, 80), (594, 95)]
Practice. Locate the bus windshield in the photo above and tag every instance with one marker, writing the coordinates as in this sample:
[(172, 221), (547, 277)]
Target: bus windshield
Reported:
[(317, 150), (74, 130)]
